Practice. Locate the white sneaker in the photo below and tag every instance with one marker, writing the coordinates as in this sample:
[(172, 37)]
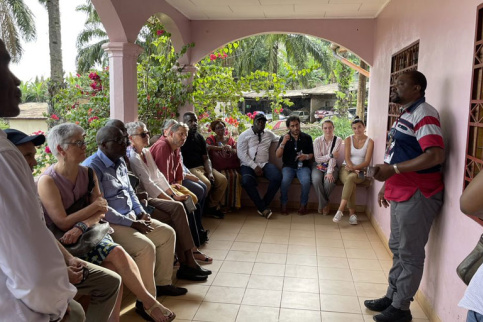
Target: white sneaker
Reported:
[(338, 216), (353, 220)]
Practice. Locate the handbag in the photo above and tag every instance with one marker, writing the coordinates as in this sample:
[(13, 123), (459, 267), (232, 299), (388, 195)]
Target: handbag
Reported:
[(93, 235), (324, 165), (471, 263)]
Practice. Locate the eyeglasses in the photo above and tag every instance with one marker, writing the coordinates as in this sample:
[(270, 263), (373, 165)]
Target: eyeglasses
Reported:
[(79, 143), (120, 141), (143, 134)]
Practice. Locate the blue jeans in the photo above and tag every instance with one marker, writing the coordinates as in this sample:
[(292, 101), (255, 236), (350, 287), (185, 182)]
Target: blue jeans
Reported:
[(474, 317), (249, 183), (303, 174)]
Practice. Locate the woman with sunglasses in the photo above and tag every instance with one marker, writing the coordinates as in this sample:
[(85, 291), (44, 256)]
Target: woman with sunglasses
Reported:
[(222, 151), (358, 155), (165, 199), (65, 182)]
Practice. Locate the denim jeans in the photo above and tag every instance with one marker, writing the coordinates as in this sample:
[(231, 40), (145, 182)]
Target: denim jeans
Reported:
[(474, 317), (249, 183), (303, 174)]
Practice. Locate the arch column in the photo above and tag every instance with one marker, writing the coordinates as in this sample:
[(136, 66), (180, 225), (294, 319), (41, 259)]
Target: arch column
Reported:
[(123, 79), (188, 106)]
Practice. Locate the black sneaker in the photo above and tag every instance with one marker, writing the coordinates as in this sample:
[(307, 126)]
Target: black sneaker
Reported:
[(391, 314), (214, 213), (378, 305)]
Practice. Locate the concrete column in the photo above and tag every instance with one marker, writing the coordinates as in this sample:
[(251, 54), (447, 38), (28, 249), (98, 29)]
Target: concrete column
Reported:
[(123, 80), (188, 106)]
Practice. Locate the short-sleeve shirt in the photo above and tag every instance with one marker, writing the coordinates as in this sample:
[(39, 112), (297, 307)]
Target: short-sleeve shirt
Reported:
[(417, 129), (193, 151), (293, 147)]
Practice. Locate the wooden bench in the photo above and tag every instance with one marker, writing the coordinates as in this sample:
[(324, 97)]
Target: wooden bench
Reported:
[(294, 191)]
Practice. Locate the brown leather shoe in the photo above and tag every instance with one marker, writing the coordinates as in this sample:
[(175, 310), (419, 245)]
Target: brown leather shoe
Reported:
[(303, 210), (283, 210)]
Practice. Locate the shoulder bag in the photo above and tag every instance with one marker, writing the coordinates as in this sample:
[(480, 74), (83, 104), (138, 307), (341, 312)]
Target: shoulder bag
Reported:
[(471, 263)]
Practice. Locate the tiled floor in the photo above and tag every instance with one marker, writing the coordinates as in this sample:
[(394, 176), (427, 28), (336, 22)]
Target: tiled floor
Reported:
[(287, 268)]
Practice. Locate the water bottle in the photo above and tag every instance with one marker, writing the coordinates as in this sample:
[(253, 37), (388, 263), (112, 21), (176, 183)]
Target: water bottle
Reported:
[(300, 164)]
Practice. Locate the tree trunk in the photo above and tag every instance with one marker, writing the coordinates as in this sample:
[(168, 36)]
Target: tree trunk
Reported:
[(361, 93), (55, 47)]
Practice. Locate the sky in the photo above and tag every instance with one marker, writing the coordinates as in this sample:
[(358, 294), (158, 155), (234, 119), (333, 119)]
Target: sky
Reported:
[(35, 60)]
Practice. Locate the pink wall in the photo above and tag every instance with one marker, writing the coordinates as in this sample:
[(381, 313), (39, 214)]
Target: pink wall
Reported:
[(445, 29)]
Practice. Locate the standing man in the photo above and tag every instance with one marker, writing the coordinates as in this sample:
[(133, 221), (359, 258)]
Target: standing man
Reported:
[(413, 188), (296, 149), (253, 152), (34, 285), (195, 157)]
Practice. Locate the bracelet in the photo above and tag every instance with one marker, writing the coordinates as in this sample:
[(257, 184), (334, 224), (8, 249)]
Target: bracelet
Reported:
[(82, 226), (396, 169), (282, 146)]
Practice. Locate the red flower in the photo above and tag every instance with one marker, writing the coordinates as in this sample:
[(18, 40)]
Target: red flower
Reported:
[(47, 150), (148, 97), (77, 122), (96, 86), (78, 75), (54, 117), (225, 55), (160, 32), (94, 76), (92, 119), (212, 57), (89, 111)]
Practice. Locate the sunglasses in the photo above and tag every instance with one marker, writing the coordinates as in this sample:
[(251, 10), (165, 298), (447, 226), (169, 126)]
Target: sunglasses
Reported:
[(79, 143), (143, 134)]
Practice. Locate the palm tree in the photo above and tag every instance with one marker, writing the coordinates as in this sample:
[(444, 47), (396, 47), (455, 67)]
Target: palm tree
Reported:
[(55, 43), (16, 22), (90, 40)]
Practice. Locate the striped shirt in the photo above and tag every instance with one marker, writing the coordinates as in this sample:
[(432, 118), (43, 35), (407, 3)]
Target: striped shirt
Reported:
[(417, 129), (322, 151)]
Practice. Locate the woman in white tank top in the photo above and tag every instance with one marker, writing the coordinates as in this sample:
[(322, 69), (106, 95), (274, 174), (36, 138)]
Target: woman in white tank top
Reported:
[(358, 155)]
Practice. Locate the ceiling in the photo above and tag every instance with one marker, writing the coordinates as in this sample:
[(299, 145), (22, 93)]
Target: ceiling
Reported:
[(278, 9)]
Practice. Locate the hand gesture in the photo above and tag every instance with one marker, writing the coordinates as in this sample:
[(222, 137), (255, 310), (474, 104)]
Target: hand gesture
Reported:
[(191, 177), (286, 138), (71, 236), (329, 177), (381, 200), (101, 204), (258, 171), (180, 198), (145, 216), (142, 226)]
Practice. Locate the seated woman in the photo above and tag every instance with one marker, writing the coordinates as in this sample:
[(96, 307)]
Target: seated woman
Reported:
[(222, 151), (324, 170), (358, 155), (62, 185), (162, 197)]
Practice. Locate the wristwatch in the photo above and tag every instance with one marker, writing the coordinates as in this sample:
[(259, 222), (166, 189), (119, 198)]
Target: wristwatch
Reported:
[(331, 156), (172, 196)]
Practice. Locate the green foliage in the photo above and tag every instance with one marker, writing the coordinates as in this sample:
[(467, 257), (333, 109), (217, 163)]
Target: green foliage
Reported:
[(35, 91), (343, 75), (4, 124), (342, 128)]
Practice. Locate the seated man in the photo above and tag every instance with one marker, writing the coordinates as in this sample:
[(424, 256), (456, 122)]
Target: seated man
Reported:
[(296, 149), (101, 284), (34, 285), (149, 242), (253, 152), (195, 157)]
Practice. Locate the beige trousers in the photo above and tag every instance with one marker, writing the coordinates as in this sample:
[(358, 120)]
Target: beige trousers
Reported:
[(350, 180), (102, 285), (153, 252), (216, 193)]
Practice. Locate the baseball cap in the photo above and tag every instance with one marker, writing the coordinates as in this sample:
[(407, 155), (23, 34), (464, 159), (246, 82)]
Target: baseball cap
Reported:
[(260, 116), (18, 137)]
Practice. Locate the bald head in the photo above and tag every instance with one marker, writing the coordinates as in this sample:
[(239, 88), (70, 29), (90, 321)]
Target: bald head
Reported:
[(106, 133)]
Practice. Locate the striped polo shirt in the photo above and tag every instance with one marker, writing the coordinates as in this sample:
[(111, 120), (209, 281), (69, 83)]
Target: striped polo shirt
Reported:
[(417, 129)]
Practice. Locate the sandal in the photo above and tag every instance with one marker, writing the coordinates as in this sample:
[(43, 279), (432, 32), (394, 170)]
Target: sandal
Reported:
[(199, 256), (167, 313)]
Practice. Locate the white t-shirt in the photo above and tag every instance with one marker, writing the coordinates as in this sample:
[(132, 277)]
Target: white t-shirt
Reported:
[(34, 285), (473, 298)]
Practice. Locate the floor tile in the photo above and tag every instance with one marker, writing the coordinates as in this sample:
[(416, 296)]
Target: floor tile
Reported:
[(337, 287), (230, 279), (291, 315), (358, 244), (301, 271), (369, 276), (249, 238), (331, 252), (223, 294), (331, 243), (335, 274), (244, 246), (296, 284), (302, 233), (217, 312), (219, 236), (273, 248), (241, 256), (195, 292), (268, 269), (341, 317), (339, 303), (328, 235), (308, 227), (360, 253), (354, 236), (218, 254), (336, 262), (307, 260), (278, 231), (183, 309), (275, 239), (299, 300), (236, 267), (372, 290), (250, 313), (302, 241), (271, 258), (262, 298), (302, 250), (225, 245), (369, 264), (260, 282)]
